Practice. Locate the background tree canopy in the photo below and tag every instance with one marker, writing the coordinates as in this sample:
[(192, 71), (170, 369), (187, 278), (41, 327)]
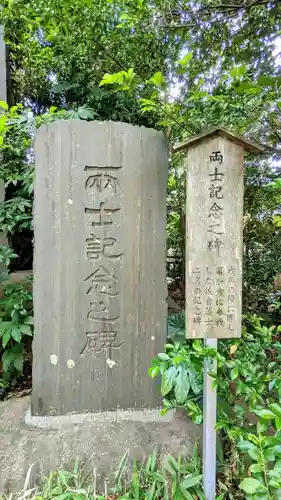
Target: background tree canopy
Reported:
[(176, 65)]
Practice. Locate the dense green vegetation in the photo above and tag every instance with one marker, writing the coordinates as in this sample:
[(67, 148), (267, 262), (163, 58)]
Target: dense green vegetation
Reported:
[(180, 66)]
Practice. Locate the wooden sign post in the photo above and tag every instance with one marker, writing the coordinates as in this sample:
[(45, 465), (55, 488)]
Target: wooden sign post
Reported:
[(214, 215)]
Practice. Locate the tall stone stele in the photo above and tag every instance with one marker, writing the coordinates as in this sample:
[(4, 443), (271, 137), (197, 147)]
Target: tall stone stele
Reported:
[(99, 266)]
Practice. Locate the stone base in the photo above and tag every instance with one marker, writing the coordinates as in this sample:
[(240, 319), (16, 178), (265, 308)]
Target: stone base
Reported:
[(97, 440)]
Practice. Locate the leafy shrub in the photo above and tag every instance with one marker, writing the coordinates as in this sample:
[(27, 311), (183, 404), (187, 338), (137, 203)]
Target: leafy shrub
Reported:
[(16, 321), (249, 392)]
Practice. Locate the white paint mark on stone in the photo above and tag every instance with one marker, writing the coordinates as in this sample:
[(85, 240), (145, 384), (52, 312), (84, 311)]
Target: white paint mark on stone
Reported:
[(152, 338), (53, 359), (70, 363), (70, 202), (110, 362)]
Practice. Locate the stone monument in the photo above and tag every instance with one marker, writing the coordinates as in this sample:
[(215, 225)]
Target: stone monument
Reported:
[(100, 290)]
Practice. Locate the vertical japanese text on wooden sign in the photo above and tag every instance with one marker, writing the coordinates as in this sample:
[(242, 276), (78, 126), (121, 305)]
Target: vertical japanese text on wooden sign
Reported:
[(214, 238)]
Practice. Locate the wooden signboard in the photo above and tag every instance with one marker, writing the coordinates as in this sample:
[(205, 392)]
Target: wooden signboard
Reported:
[(214, 214), (214, 233)]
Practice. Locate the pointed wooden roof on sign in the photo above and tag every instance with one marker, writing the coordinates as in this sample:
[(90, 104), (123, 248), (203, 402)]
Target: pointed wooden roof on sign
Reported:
[(250, 146)]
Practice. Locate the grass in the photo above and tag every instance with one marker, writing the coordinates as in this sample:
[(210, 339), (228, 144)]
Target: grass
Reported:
[(153, 480)]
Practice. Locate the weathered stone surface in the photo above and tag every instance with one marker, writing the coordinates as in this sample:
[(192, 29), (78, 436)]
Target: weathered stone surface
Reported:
[(96, 443), (99, 266)]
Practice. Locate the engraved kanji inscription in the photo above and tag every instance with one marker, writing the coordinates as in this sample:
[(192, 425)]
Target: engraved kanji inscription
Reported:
[(95, 247), (101, 342), (102, 281), (99, 312), (102, 216), (101, 178)]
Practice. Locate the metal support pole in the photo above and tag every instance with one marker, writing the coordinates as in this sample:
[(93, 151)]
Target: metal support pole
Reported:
[(3, 76), (209, 426)]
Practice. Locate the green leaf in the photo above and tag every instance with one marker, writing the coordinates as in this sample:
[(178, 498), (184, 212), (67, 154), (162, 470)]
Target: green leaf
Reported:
[(185, 60), (185, 494), (163, 356), (168, 380), (197, 345), (255, 468), (16, 334), (108, 79), (234, 373), (251, 486), (86, 113), (5, 339), (194, 383), (278, 423), (169, 467), (153, 371), (18, 363), (238, 71), (266, 414), (182, 385), (274, 483), (25, 329), (276, 450), (28, 320), (4, 105), (249, 448), (191, 481), (275, 408), (158, 79), (266, 81)]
